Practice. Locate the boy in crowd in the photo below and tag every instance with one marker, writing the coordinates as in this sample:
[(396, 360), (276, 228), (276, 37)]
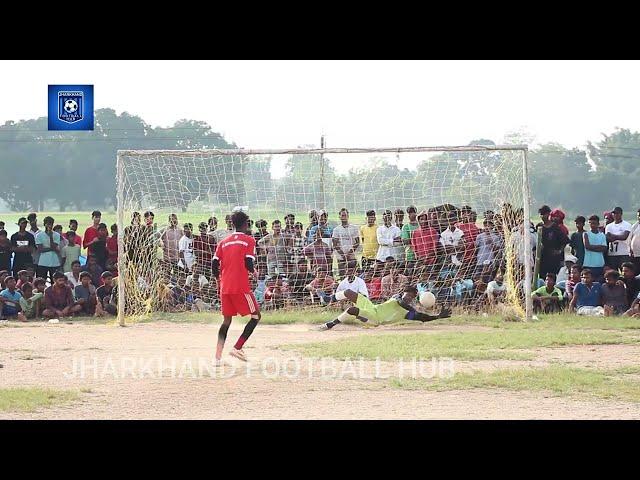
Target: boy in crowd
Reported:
[(23, 245), (58, 299), (91, 233), (595, 246), (106, 300), (574, 279), (300, 279), (73, 275), (70, 253), (5, 251), (617, 233), (614, 295), (548, 298), (85, 294), (406, 231), (10, 301), (587, 296), (73, 227), (496, 289), (48, 245), (323, 281), (576, 242), (31, 302), (112, 250), (23, 277), (631, 282), (393, 282), (94, 269)]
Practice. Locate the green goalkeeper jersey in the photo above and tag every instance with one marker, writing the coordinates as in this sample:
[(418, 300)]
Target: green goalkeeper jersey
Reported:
[(387, 312)]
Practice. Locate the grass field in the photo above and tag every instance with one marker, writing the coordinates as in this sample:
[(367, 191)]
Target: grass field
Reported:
[(558, 367)]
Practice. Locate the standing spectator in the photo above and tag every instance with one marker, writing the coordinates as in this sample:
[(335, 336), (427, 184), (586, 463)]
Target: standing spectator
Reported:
[(576, 242), (486, 243), (548, 298), (299, 279), (91, 233), (85, 295), (94, 269), (204, 248), (275, 246), (319, 253), (5, 251), (453, 241), (34, 230), (289, 224), (73, 226), (634, 242), (296, 247), (587, 296), (595, 244), (47, 243), (99, 246), (394, 281), (553, 242), (63, 242), (557, 216), (470, 232), (112, 250), (614, 297), (346, 240), (170, 238), (221, 234), (369, 239), (424, 241), (406, 231), (185, 248), (1, 225), (398, 218), (389, 239), (58, 298), (261, 253), (71, 252), (73, 274), (631, 282), (327, 231), (617, 233), (313, 221)]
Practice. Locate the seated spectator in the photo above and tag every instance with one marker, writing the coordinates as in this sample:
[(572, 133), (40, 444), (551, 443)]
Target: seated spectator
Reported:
[(39, 285), (563, 274), (573, 280), (350, 282), (5, 251), (58, 299), (373, 282), (300, 279), (74, 275), (23, 278), (94, 269), (10, 301), (3, 275), (630, 280), (614, 295), (587, 296), (497, 289), (323, 281), (276, 293), (106, 298), (261, 285), (85, 294), (70, 252), (30, 302), (547, 299), (319, 253), (634, 310), (393, 282)]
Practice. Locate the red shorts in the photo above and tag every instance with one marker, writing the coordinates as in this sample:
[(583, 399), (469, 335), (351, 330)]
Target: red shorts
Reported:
[(238, 304)]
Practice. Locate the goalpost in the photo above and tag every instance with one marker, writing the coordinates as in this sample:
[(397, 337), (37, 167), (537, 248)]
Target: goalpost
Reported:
[(197, 185)]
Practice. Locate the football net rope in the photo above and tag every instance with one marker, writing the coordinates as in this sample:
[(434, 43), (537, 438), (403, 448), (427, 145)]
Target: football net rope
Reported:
[(482, 189)]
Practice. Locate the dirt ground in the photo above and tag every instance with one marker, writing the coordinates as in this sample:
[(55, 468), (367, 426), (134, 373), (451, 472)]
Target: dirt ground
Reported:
[(163, 371)]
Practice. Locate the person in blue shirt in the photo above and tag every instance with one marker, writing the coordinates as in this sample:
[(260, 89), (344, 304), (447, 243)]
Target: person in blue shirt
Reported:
[(587, 296), (595, 246), (327, 231), (10, 301)]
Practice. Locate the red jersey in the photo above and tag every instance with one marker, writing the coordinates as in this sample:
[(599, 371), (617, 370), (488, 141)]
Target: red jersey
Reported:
[(471, 232), (89, 234), (232, 252), (112, 248), (424, 242)]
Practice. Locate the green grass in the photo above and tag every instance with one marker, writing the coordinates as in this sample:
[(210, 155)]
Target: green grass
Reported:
[(501, 344), (30, 399), (280, 317), (559, 380), (561, 321)]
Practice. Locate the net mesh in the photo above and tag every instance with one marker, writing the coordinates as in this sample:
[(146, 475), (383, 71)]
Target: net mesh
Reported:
[(466, 229)]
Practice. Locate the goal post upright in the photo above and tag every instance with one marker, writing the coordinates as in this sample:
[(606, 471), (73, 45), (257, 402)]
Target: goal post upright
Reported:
[(526, 194), (120, 223)]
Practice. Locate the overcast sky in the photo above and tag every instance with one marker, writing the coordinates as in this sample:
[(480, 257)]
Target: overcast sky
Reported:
[(283, 104)]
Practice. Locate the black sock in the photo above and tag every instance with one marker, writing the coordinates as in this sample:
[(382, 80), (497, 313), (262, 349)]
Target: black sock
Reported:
[(222, 333), (332, 323), (246, 333)]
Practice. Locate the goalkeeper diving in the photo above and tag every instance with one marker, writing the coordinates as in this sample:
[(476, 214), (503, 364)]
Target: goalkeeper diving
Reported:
[(398, 307)]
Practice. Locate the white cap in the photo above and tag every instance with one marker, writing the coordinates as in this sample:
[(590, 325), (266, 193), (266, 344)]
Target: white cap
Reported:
[(570, 258)]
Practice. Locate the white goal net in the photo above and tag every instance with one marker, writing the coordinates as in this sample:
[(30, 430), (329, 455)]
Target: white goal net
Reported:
[(450, 220)]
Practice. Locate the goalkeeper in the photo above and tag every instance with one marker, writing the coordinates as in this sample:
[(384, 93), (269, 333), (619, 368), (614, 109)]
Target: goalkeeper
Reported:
[(396, 308)]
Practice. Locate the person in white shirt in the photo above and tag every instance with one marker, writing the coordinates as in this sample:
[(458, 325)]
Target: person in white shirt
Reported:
[(350, 282), (563, 274), (452, 239), (496, 289), (185, 248), (634, 243), (389, 239), (617, 233), (346, 240), (74, 275)]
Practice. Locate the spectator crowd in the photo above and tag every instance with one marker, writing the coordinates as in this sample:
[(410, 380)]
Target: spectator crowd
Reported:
[(444, 249)]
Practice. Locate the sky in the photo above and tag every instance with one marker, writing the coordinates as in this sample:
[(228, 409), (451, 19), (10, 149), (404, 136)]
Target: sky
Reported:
[(286, 104)]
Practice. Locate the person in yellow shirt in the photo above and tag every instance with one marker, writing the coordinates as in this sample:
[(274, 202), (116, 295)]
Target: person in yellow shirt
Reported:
[(369, 240)]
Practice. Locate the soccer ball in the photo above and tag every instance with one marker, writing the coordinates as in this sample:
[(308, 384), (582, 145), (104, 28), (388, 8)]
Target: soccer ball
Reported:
[(70, 106), (427, 299)]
